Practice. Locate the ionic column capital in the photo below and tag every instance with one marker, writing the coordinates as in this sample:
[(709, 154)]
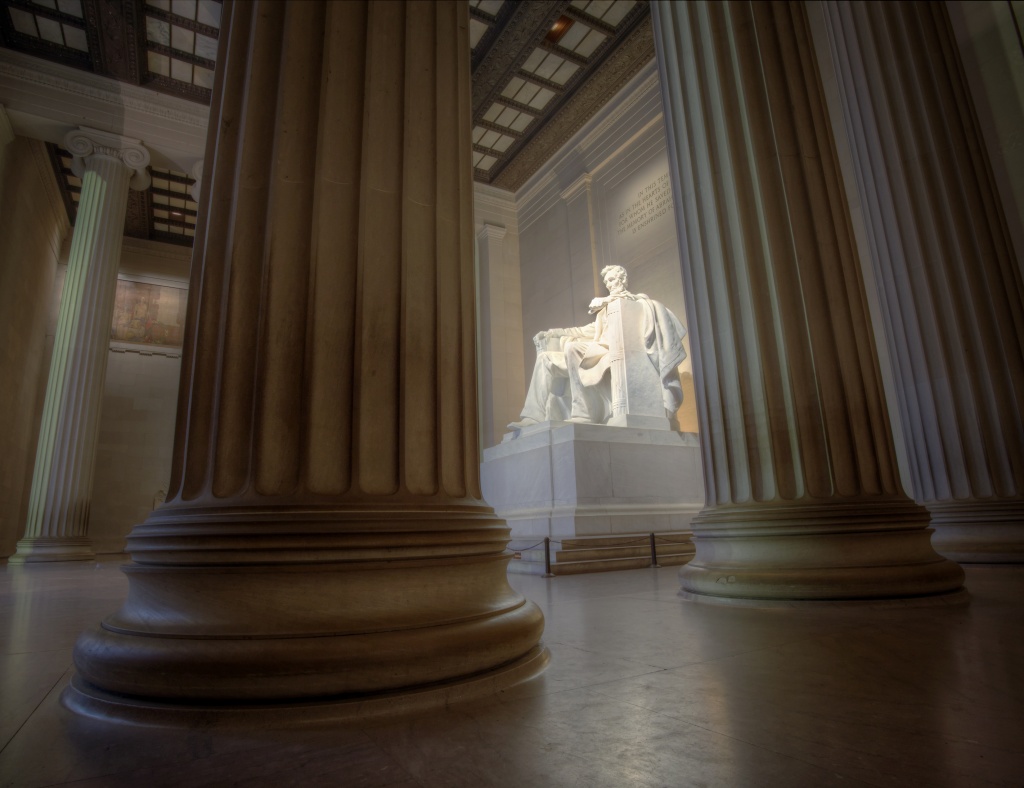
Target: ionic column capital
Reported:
[(84, 143)]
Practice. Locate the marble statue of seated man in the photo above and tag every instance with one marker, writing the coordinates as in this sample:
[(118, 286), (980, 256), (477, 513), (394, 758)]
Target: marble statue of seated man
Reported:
[(621, 369)]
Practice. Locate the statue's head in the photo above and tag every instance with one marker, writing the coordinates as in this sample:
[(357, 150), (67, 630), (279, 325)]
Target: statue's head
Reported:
[(614, 277)]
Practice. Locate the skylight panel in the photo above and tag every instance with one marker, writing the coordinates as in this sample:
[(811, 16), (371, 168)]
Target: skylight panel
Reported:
[(542, 98), (535, 59), (513, 87), (573, 36), (507, 116), (590, 43), (549, 66), (491, 6), (525, 96), (618, 11), (521, 122), (476, 32), (564, 72)]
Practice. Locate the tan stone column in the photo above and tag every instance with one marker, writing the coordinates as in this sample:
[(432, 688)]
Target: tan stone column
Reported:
[(324, 535), (58, 513), (803, 496), (948, 283)]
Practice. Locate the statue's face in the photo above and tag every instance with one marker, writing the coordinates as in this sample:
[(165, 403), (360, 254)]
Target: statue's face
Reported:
[(615, 281)]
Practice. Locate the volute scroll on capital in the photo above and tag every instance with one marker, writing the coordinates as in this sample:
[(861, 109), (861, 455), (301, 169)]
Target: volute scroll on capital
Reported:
[(83, 143)]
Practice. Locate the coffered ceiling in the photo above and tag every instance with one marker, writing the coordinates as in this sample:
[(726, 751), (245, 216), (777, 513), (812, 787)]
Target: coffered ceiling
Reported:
[(541, 69)]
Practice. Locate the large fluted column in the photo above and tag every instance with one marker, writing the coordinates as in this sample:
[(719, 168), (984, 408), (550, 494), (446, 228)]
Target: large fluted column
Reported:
[(58, 513), (803, 496), (324, 535), (948, 284)]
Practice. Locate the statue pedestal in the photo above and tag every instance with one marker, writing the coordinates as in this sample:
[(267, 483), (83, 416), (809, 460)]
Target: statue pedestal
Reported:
[(597, 489)]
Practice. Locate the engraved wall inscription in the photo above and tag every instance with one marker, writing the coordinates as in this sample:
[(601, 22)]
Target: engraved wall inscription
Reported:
[(650, 204)]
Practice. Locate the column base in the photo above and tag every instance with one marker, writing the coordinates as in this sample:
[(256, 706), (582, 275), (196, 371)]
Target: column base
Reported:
[(90, 701), (44, 549), (841, 552), (290, 605), (979, 532)]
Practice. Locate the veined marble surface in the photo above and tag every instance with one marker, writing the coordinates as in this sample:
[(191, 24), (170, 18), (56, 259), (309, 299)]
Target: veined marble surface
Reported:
[(644, 689)]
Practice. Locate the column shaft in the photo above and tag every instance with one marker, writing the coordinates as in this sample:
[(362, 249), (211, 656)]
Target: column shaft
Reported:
[(58, 513), (948, 283), (803, 496), (324, 534)]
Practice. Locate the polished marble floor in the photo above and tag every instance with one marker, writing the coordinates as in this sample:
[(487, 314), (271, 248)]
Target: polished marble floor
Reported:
[(643, 689)]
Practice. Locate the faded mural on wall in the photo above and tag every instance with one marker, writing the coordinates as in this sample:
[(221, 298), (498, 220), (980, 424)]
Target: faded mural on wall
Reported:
[(147, 314)]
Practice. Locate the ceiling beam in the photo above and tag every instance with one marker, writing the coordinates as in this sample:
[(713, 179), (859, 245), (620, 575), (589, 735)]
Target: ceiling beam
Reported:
[(486, 124), (579, 16), (113, 30), (540, 82), (563, 53)]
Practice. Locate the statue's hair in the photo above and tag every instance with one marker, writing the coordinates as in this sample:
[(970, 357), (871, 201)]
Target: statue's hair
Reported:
[(608, 268)]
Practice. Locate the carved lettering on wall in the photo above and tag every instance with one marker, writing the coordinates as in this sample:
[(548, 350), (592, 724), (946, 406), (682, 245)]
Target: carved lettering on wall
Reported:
[(650, 204)]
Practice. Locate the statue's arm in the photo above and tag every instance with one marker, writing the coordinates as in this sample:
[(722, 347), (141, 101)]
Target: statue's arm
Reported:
[(582, 332)]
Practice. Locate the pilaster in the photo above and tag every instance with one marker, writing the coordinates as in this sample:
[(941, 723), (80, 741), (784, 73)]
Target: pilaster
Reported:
[(584, 267)]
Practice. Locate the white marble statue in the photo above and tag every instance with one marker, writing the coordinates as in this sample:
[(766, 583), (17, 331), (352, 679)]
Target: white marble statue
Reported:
[(619, 370)]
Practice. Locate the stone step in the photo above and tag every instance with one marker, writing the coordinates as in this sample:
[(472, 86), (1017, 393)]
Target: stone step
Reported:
[(616, 564), (625, 540), (600, 553)]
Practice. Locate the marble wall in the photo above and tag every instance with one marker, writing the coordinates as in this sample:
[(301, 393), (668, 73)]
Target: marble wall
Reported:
[(133, 460), (33, 226)]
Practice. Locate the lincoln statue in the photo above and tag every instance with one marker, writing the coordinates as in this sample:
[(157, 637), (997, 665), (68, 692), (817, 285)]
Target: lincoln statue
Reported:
[(590, 374)]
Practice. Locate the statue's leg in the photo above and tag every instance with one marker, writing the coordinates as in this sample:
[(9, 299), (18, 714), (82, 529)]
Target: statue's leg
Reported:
[(547, 388), (590, 402)]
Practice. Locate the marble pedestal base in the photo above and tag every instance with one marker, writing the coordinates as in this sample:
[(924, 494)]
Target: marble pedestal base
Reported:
[(565, 481), (979, 532), (44, 549)]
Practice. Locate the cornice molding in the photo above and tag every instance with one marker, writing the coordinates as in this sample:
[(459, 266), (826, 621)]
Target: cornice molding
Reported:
[(616, 115), (157, 249), (35, 71), (635, 53), (579, 186)]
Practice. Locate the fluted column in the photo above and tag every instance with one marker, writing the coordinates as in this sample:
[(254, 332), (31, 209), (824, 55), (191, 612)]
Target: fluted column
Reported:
[(58, 512), (803, 496), (948, 283), (324, 535)]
